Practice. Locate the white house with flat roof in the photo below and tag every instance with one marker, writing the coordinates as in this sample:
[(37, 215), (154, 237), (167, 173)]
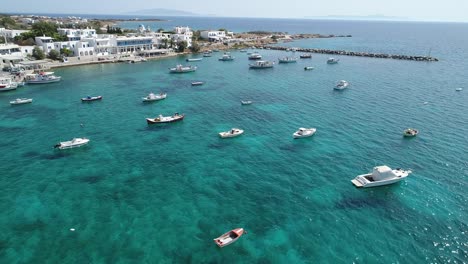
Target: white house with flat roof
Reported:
[(130, 44), (77, 34), (213, 35), (183, 34)]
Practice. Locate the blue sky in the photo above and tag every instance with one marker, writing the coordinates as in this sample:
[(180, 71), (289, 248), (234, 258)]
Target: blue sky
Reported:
[(424, 10)]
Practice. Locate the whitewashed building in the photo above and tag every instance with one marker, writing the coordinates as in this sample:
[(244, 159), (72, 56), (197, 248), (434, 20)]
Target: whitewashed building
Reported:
[(213, 35), (77, 34)]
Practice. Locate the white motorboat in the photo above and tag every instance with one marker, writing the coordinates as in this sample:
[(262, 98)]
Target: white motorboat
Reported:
[(381, 175), (41, 78), (287, 60), (261, 65), (333, 61), (246, 102), (18, 101), (410, 132), (194, 59), (206, 54), (74, 143), (229, 237), (231, 133), (308, 68), (304, 132), (255, 56), (6, 84), (459, 89), (197, 83), (182, 69), (90, 98), (165, 119), (305, 56), (226, 57), (341, 85), (154, 97)]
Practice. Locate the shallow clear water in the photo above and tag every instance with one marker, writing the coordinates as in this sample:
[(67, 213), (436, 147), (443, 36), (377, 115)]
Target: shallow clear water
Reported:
[(161, 193)]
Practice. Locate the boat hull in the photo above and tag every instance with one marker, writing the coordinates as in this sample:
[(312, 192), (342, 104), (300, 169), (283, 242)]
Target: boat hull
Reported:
[(95, 98), (25, 101), (155, 121), (377, 183), (225, 239), (57, 79)]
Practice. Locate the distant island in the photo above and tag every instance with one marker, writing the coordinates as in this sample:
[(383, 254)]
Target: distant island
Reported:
[(160, 12), (368, 17)]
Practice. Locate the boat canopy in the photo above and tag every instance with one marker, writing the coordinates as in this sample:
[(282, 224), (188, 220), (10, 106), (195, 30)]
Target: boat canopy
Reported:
[(382, 173)]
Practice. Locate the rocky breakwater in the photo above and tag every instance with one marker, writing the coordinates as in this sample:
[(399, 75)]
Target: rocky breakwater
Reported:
[(357, 54)]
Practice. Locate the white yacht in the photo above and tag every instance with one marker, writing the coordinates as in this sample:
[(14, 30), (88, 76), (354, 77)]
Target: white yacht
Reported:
[(6, 84), (41, 78), (231, 133), (255, 56), (381, 175), (261, 65), (182, 69), (226, 57), (333, 61), (18, 101), (154, 97), (341, 85), (304, 132), (74, 143)]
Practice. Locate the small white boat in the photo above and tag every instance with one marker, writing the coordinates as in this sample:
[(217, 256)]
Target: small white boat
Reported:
[(308, 68), (154, 97), (74, 143), (261, 65), (255, 56), (341, 85), (207, 54), (304, 132), (410, 132), (6, 84), (91, 98), (182, 69), (246, 102), (242, 50), (305, 56), (194, 59), (197, 83), (18, 101), (459, 89), (41, 78), (165, 119), (381, 175), (333, 61), (287, 60), (231, 133), (229, 237), (226, 57)]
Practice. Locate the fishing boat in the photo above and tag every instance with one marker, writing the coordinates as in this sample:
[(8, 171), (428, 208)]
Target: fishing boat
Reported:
[(226, 57), (234, 132), (305, 56), (7, 85), (381, 175), (197, 83), (41, 78), (261, 65), (255, 56), (304, 132), (287, 60), (341, 85), (333, 61), (206, 54), (308, 68), (165, 119), (229, 237), (154, 97), (410, 132), (194, 59), (74, 143), (91, 98), (18, 101), (246, 102), (182, 69)]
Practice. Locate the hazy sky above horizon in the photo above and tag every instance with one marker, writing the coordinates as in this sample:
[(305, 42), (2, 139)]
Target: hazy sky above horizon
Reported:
[(425, 10)]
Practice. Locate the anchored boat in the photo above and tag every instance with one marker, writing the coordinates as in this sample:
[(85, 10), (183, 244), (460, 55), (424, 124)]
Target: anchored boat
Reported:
[(229, 237), (381, 175)]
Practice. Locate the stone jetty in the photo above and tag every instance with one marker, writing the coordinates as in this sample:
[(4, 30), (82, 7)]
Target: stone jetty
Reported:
[(356, 53)]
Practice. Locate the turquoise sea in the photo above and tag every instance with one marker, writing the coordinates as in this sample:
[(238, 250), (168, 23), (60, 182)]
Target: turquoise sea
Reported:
[(143, 193)]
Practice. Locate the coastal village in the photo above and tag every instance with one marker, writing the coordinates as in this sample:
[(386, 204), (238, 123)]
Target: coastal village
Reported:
[(75, 41)]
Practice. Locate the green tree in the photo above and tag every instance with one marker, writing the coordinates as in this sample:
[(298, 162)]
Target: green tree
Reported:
[(195, 47), (196, 35), (38, 53), (181, 46), (54, 55), (43, 28), (66, 52), (165, 41), (7, 22)]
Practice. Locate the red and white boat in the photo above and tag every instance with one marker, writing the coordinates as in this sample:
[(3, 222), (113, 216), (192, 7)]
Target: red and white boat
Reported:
[(229, 237), (165, 119), (6, 84)]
